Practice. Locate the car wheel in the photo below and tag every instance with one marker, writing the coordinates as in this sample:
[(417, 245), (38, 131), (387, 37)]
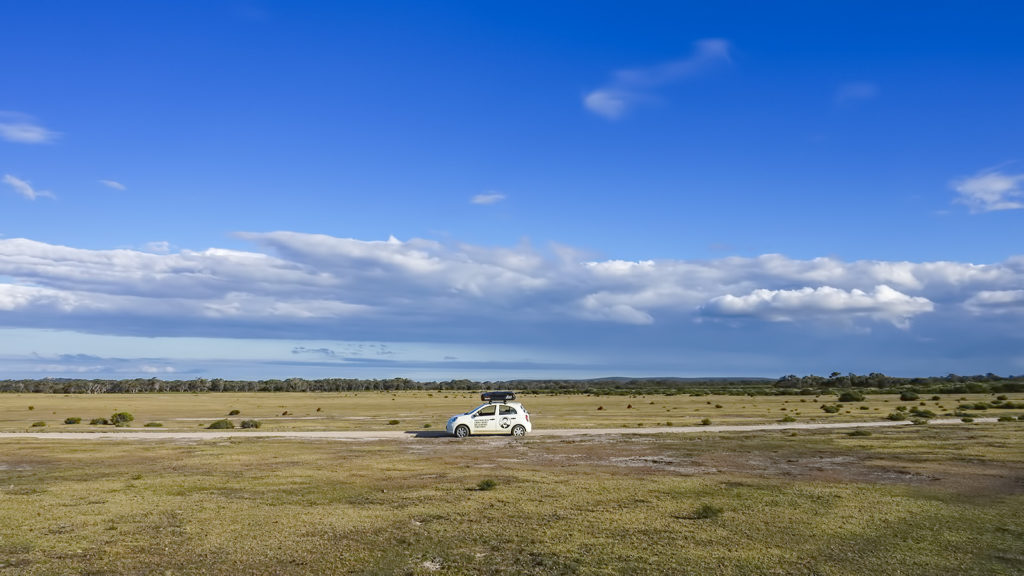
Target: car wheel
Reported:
[(461, 431), (519, 430)]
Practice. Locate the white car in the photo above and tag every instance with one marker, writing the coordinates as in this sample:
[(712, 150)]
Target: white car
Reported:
[(491, 418)]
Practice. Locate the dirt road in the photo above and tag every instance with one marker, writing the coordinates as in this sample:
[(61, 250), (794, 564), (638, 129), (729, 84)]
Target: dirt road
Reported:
[(411, 435)]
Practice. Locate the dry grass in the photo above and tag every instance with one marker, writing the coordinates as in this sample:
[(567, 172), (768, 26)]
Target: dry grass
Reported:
[(917, 500), (374, 410)]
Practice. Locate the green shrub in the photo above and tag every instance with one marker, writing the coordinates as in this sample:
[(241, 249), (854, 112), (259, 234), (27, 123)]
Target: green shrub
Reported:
[(38, 424), (31, 407), (907, 395), (859, 433), (1006, 418), (830, 408), (897, 416), (967, 419), (251, 424), (73, 420), (234, 413), (1002, 397), (427, 425), (705, 422), (936, 398), (223, 424), (153, 425), (96, 421), (787, 418), (851, 396), (393, 422), (706, 512), (487, 484), (922, 413), (121, 418)]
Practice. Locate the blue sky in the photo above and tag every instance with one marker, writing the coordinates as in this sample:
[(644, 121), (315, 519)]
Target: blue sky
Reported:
[(556, 189)]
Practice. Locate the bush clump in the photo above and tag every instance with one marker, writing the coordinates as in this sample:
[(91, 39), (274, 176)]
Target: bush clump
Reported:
[(1006, 419), (223, 424), (851, 396), (897, 416), (706, 512), (234, 413), (251, 424), (967, 419), (393, 422), (121, 418), (907, 395), (153, 425), (99, 421), (922, 412), (486, 484), (830, 408), (73, 420), (39, 424), (787, 418), (705, 422), (859, 433)]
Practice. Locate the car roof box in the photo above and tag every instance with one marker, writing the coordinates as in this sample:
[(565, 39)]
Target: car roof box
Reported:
[(498, 396)]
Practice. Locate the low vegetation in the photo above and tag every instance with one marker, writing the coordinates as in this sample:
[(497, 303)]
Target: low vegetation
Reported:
[(927, 500)]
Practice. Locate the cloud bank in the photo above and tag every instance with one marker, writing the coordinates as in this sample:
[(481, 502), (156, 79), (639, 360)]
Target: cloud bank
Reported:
[(325, 286), (630, 87)]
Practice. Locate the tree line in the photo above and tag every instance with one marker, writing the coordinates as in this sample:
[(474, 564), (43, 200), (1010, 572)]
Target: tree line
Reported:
[(789, 384)]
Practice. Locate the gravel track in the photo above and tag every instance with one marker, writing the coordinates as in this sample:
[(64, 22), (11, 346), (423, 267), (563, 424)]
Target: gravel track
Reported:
[(414, 435)]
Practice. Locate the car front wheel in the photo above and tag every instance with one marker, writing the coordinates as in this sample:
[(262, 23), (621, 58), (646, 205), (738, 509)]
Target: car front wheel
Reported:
[(519, 430), (461, 431)]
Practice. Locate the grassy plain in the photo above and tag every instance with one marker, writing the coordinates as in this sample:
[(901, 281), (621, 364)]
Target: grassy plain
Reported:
[(912, 500), (415, 410)]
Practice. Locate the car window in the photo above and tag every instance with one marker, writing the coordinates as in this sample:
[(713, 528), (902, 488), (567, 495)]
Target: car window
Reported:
[(486, 411), (506, 410)]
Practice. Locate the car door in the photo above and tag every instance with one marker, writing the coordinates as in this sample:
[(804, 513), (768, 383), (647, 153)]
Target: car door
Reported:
[(507, 418), (485, 420)]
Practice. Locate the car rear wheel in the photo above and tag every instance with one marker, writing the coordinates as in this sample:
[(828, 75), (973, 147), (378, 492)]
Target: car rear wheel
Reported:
[(519, 430), (461, 431)]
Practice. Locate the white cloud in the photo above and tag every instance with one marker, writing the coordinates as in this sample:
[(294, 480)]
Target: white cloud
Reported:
[(158, 247), (324, 286), (488, 198), (996, 302), (989, 191), (883, 304), (113, 184), (21, 128), (628, 87), (25, 189), (854, 91)]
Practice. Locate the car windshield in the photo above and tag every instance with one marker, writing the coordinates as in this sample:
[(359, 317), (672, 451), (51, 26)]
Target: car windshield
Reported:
[(477, 408)]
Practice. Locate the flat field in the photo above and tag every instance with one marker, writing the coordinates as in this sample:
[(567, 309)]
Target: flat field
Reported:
[(420, 410), (937, 499), (910, 500)]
